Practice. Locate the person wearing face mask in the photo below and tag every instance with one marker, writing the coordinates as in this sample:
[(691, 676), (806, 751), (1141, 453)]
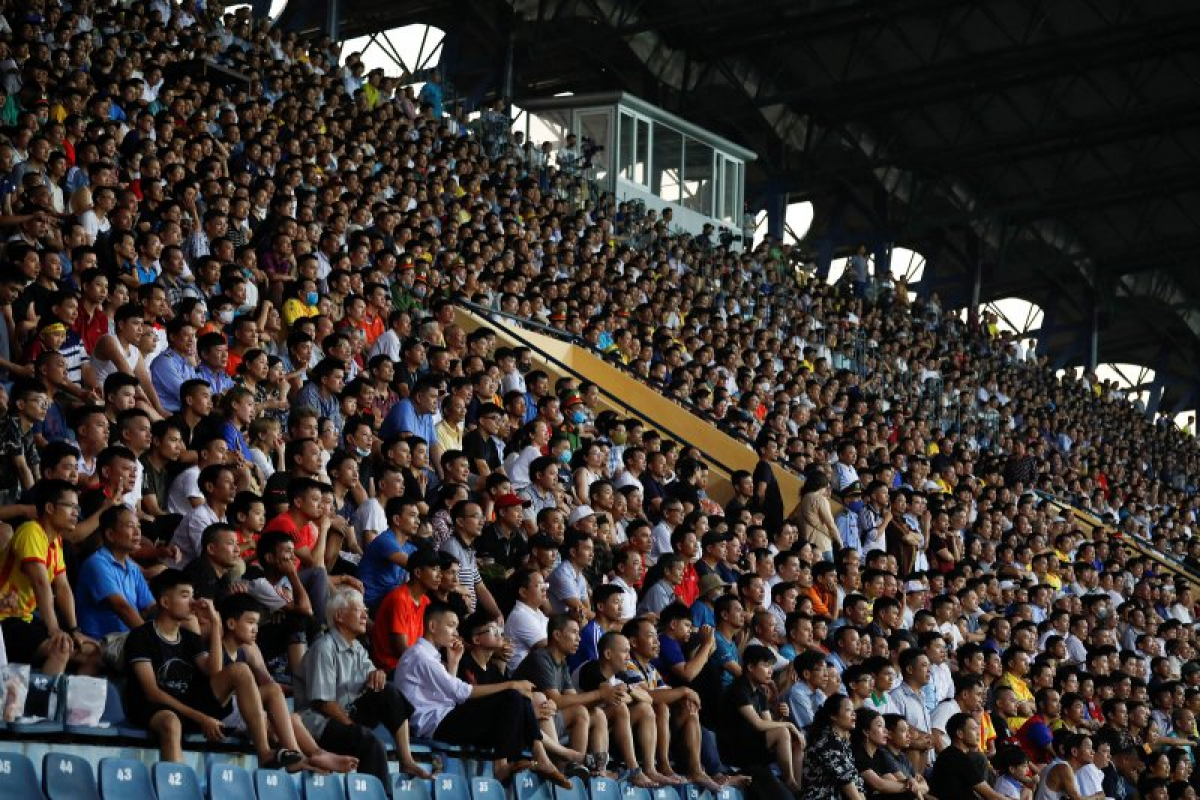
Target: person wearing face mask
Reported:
[(847, 520)]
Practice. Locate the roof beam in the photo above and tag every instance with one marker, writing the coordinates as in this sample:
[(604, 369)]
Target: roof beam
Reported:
[(970, 76)]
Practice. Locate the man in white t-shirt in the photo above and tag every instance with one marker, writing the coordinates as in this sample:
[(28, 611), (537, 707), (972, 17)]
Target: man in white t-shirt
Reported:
[(526, 624)]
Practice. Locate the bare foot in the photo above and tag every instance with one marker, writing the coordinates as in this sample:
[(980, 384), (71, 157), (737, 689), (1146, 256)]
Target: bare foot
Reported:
[(658, 777), (641, 780), (735, 781), (325, 761), (414, 770), (550, 772), (703, 781), (503, 773)]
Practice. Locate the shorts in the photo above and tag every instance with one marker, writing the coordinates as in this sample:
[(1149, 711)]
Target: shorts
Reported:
[(22, 639), (199, 699)]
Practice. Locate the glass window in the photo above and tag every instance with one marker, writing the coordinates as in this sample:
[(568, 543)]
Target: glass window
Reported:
[(641, 162), (698, 189), (731, 203), (594, 133), (667, 165), (626, 136)]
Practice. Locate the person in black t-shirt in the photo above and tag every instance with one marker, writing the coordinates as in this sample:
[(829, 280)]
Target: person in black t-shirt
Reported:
[(479, 444), (178, 681), (487, 651), (961, 767), (747, 734)]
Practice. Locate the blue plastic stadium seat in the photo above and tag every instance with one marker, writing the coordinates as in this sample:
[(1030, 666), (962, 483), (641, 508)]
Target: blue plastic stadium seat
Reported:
[(577, 791), (694, 792), (453, 765), (125, 779), (176, 782), (111, 720), (531, 787), (449, 786), (360, 786), (605, 789), (634, 793), (67, 777), (322, 787), (487, 789), (229, 782), (406, 788), (43, 689), (729, 793), (665, 793), (275, 784), (18, 777)]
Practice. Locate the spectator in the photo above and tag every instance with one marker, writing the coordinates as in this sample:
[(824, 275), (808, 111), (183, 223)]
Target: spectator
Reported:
[(113, 597), (829, 769), (749, 736), (212, 572), (526, 623), (584, 717), (569, 592), (217, 484), (384, 562), (398, 622), (36, 581), (198, 695), (961, 766), (457, 712), (341, 697), (468, 524)]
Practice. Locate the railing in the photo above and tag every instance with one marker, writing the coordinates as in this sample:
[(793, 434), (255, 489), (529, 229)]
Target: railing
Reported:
[(1143, 546), (614, 400)]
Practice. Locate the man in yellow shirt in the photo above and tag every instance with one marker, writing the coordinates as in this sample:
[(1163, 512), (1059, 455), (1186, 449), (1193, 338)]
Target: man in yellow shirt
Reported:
[(33, 578), (1016, 666)]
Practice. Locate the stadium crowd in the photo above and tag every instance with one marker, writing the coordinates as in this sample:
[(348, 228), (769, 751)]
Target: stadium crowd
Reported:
[(250, 452)]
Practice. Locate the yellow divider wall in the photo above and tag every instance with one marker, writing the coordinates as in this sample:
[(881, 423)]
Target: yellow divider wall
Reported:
[(628, 396)]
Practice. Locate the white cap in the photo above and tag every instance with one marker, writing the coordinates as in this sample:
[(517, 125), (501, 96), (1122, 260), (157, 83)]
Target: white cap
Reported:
[(580, 512)]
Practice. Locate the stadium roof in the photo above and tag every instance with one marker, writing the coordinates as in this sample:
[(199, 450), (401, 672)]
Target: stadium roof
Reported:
[(1052, 147)]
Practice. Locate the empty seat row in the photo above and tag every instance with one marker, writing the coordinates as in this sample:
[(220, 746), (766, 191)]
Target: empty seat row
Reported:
[(68, 777)]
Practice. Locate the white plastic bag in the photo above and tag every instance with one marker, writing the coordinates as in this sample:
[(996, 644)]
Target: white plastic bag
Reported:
[(15, 678), (86, 697)]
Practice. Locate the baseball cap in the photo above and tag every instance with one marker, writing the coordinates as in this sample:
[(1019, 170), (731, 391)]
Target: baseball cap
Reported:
[(915, 586), (580, 512), (510, 500), (711, 581), (853, 489)]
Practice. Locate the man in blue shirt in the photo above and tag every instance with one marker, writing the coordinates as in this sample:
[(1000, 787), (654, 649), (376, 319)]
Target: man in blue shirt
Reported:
[(111, 594), (323, 391), (174, 367), (731, 618), (414, 414), (806, 696), (382, 567)]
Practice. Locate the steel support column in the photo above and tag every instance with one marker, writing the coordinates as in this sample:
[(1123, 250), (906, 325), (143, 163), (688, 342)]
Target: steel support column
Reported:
[(1154, 400), (332, 24), (776, 214), (1093, 353)]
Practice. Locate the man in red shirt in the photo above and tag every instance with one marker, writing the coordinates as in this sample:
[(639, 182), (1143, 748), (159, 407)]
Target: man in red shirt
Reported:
[(400, 619), (684, 542), (306, 523)]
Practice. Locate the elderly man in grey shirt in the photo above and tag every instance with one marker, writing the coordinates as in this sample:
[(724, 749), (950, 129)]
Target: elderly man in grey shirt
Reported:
[(342, 697)]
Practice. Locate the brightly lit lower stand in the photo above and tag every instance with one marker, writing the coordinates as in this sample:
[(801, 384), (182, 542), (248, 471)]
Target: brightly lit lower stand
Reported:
[(649, 155)]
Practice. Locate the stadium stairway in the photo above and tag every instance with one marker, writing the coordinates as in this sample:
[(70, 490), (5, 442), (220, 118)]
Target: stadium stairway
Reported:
[(629, 397)]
